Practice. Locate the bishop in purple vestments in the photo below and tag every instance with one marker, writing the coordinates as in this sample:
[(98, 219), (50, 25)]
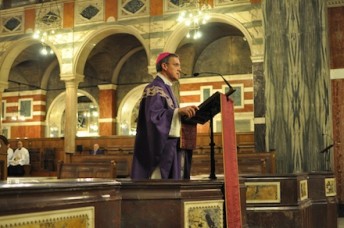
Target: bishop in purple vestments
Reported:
[(159, 122)]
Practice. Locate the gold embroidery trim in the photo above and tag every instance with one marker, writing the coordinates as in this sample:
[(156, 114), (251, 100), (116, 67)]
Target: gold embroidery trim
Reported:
[(154, 90)]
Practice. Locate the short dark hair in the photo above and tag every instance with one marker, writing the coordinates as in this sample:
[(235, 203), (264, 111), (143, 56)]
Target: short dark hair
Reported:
[(164, 60)]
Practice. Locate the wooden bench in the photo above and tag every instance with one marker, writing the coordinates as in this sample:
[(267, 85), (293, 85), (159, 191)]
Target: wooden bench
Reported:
[(248, 163), (86, 170), (123, 162), (27, 170), (257, 163)]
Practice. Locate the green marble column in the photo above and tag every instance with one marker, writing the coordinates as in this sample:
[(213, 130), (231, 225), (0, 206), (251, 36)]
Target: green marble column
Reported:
[(297, 92)]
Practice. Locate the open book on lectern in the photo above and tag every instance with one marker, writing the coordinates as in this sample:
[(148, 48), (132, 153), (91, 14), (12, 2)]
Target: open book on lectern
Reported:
[(207, 110)]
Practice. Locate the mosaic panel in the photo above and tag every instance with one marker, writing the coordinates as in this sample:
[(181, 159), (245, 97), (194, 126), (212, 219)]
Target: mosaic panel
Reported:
[(263, 192), (69, 218), (89, 12), (330, 187), (133, 8), (203, 213), (11, 24), (303, 190), (49, 16), (175, 5)]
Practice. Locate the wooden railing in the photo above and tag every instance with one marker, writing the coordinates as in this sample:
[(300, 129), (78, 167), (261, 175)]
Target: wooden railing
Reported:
[(86, 170)]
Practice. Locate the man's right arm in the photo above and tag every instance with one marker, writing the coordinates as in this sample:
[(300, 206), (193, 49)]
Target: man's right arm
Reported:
[(188, 111)]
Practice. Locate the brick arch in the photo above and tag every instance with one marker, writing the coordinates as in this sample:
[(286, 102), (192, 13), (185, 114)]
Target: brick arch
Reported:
[(57, 108), (126, 108), (96, 36), (180, 32), (13, 50)]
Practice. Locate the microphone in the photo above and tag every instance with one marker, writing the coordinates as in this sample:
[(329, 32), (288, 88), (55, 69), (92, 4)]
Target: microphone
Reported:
[(330, 146), (326, 149), (184, 74), (231, 89)]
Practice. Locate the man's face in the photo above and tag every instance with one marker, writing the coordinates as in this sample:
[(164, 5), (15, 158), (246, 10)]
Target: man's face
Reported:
[(20, 145), (172, 69), (95, 146)]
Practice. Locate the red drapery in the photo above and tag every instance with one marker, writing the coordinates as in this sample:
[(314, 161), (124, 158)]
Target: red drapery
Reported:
[(230, 162)]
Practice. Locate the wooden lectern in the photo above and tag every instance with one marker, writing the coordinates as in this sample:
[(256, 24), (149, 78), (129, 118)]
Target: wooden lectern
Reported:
[(3, 160), (219, 102), (207, 110)]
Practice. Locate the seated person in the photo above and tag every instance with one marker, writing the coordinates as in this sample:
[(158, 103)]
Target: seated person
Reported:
[(96, 150), (9, 154), (9, 149), (20, 158)]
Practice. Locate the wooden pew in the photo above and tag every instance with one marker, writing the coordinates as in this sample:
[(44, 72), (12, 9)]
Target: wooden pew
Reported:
[(86, 170), (122, 161), (42, 164), (3, 160), (248, 163), (257, 163)]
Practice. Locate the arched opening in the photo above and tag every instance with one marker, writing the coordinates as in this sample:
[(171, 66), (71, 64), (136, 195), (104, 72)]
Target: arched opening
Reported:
[(87, 116), (128, 111)]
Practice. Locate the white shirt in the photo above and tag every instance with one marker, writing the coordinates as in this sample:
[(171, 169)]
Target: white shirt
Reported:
[(20, 157), (9, 155), (176, 120)]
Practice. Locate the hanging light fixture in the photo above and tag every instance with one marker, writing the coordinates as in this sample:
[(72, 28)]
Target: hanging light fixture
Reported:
[(193, 15), (48, 19)]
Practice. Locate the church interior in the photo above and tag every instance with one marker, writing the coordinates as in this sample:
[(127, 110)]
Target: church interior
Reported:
[(72, 73)]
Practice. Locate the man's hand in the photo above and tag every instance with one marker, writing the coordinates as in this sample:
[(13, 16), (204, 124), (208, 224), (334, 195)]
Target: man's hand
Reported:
[(188, 111)]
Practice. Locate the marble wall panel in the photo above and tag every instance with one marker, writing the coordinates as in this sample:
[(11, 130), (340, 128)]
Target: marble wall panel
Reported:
[(297, 83)]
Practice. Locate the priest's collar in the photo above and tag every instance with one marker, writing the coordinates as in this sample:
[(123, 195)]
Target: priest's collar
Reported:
[(166, 81)]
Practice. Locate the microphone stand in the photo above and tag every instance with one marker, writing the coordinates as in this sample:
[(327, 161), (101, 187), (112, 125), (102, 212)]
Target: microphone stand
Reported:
[(231, 89), (212, 150), (326, 153), (212, 144)]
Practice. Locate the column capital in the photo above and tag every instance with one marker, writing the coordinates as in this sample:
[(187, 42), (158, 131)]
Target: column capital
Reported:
[(72, 77), (107, 87), (257, 59)]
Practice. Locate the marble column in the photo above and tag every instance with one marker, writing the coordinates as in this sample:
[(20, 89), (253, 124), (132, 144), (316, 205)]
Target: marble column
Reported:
[(3, 86), (259, 106), (297, 91), (72, 82)]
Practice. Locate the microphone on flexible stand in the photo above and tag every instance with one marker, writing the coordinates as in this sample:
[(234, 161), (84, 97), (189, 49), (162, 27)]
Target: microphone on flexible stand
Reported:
[(184, 74), (326, 151), (331, 145), (231, 89)]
